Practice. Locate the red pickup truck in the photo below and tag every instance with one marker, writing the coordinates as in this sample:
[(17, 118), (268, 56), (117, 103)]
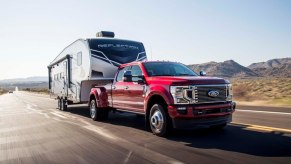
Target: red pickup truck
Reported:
[(168, 94)]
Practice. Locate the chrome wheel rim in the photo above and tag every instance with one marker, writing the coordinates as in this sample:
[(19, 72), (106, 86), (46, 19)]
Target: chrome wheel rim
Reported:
[(93, 109), (157, 121)]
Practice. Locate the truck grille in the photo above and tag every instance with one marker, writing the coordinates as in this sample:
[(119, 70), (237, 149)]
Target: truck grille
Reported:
[(206, 94)]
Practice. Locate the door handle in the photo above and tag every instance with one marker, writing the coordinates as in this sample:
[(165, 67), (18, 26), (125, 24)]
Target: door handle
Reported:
[(113, 87), (126, 87)]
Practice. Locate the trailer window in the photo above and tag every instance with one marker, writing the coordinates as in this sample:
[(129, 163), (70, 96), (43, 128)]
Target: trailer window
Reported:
[(79, 58), (116, 51)]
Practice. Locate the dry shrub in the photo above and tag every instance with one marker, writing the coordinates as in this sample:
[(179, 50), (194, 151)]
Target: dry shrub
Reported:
[(262, 88), (37, 90), (241, 91)]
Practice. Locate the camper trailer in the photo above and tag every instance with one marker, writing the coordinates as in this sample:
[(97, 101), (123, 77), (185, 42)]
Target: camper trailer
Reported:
[(89, 62)]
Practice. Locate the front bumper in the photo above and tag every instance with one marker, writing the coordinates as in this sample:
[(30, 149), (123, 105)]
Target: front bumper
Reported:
[(192, 116), (201, 122)]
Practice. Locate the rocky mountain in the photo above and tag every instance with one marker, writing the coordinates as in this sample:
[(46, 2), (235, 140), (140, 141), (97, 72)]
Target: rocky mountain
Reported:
[(273, 68), (25, 80), (21, 83), (227, 68)]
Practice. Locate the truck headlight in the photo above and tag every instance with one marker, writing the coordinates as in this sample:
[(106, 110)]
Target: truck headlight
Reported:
[(229, 92), (178, 94)]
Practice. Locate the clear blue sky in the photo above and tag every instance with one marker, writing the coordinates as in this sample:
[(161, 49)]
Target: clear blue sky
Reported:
[(33, 32)]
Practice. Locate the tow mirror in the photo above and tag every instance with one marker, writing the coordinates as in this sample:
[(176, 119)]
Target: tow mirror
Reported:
[(127, 76), (141, 79), (202, 73)]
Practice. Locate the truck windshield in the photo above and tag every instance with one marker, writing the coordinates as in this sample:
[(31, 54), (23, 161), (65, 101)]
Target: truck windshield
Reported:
[(117, 51), (168, 69)]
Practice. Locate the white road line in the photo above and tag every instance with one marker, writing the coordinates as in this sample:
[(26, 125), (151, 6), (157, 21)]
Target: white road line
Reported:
[(34, 105), (46, 115), (59, 115), (259, 111), (100, 131), (56, 119)]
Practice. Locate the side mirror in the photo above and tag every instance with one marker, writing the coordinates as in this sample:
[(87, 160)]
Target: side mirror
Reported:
[(141, 79), (202, 73), (127, 76)]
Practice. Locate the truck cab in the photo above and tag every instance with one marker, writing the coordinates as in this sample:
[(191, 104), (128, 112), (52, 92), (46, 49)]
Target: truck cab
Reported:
[(168, 94)]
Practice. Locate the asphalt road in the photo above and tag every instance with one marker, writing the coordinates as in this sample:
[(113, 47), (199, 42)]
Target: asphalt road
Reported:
[(33, 131)]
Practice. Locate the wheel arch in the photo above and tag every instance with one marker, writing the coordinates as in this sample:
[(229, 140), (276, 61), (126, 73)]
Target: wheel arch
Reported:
[(154, 99), (100, 96)]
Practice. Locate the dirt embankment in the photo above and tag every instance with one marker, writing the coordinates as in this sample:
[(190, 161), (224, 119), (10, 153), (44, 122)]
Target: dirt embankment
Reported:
[(263, 91), (2, 91)]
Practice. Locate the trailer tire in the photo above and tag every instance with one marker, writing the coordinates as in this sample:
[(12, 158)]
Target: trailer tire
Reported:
[(97, 114), (160, 122), (59, 104), (64, 105)]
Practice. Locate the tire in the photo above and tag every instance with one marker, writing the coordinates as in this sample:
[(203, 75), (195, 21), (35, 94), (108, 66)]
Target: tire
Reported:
[(59, 104), (97, 114), (160, 122), (62, 104), (65, 105)]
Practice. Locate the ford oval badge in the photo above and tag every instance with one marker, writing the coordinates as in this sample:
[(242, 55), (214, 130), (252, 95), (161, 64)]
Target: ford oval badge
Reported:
[(213, 93)]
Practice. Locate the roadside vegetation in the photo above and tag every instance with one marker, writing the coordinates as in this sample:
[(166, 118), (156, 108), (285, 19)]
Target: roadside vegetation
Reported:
[(37, 90), (263, 91), (2, 91)]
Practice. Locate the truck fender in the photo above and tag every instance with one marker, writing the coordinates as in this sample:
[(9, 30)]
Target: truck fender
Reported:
[(100, 96), (155, 95), (158, 91)]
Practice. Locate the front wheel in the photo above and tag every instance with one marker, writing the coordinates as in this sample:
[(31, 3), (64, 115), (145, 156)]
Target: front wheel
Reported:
[(160, 122)]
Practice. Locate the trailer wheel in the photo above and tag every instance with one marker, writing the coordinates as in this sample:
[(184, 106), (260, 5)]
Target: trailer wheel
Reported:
[(64, 105), (97, 114), (160, 122), (59, 104)]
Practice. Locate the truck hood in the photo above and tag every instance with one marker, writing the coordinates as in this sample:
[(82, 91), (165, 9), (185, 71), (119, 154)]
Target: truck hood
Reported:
[(186, 80)]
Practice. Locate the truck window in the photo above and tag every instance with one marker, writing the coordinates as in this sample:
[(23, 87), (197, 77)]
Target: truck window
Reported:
[(136, 71), (121, 72), (168, 69)]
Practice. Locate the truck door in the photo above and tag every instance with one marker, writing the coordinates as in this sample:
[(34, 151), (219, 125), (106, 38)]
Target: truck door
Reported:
[(134, 91), (118, 87)]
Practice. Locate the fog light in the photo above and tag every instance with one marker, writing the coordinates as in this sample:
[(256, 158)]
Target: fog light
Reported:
[(182, 110), (229, 109), (198, 112)]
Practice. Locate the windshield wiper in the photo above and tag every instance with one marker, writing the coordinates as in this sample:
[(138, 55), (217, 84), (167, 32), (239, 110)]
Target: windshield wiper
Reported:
[(164, 75), (184, 74)]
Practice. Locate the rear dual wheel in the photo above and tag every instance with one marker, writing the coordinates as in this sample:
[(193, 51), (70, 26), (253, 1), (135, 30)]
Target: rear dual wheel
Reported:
[(97, 114)]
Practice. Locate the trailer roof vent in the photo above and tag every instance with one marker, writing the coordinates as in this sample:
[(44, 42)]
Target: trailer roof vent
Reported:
[(108, 34)]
